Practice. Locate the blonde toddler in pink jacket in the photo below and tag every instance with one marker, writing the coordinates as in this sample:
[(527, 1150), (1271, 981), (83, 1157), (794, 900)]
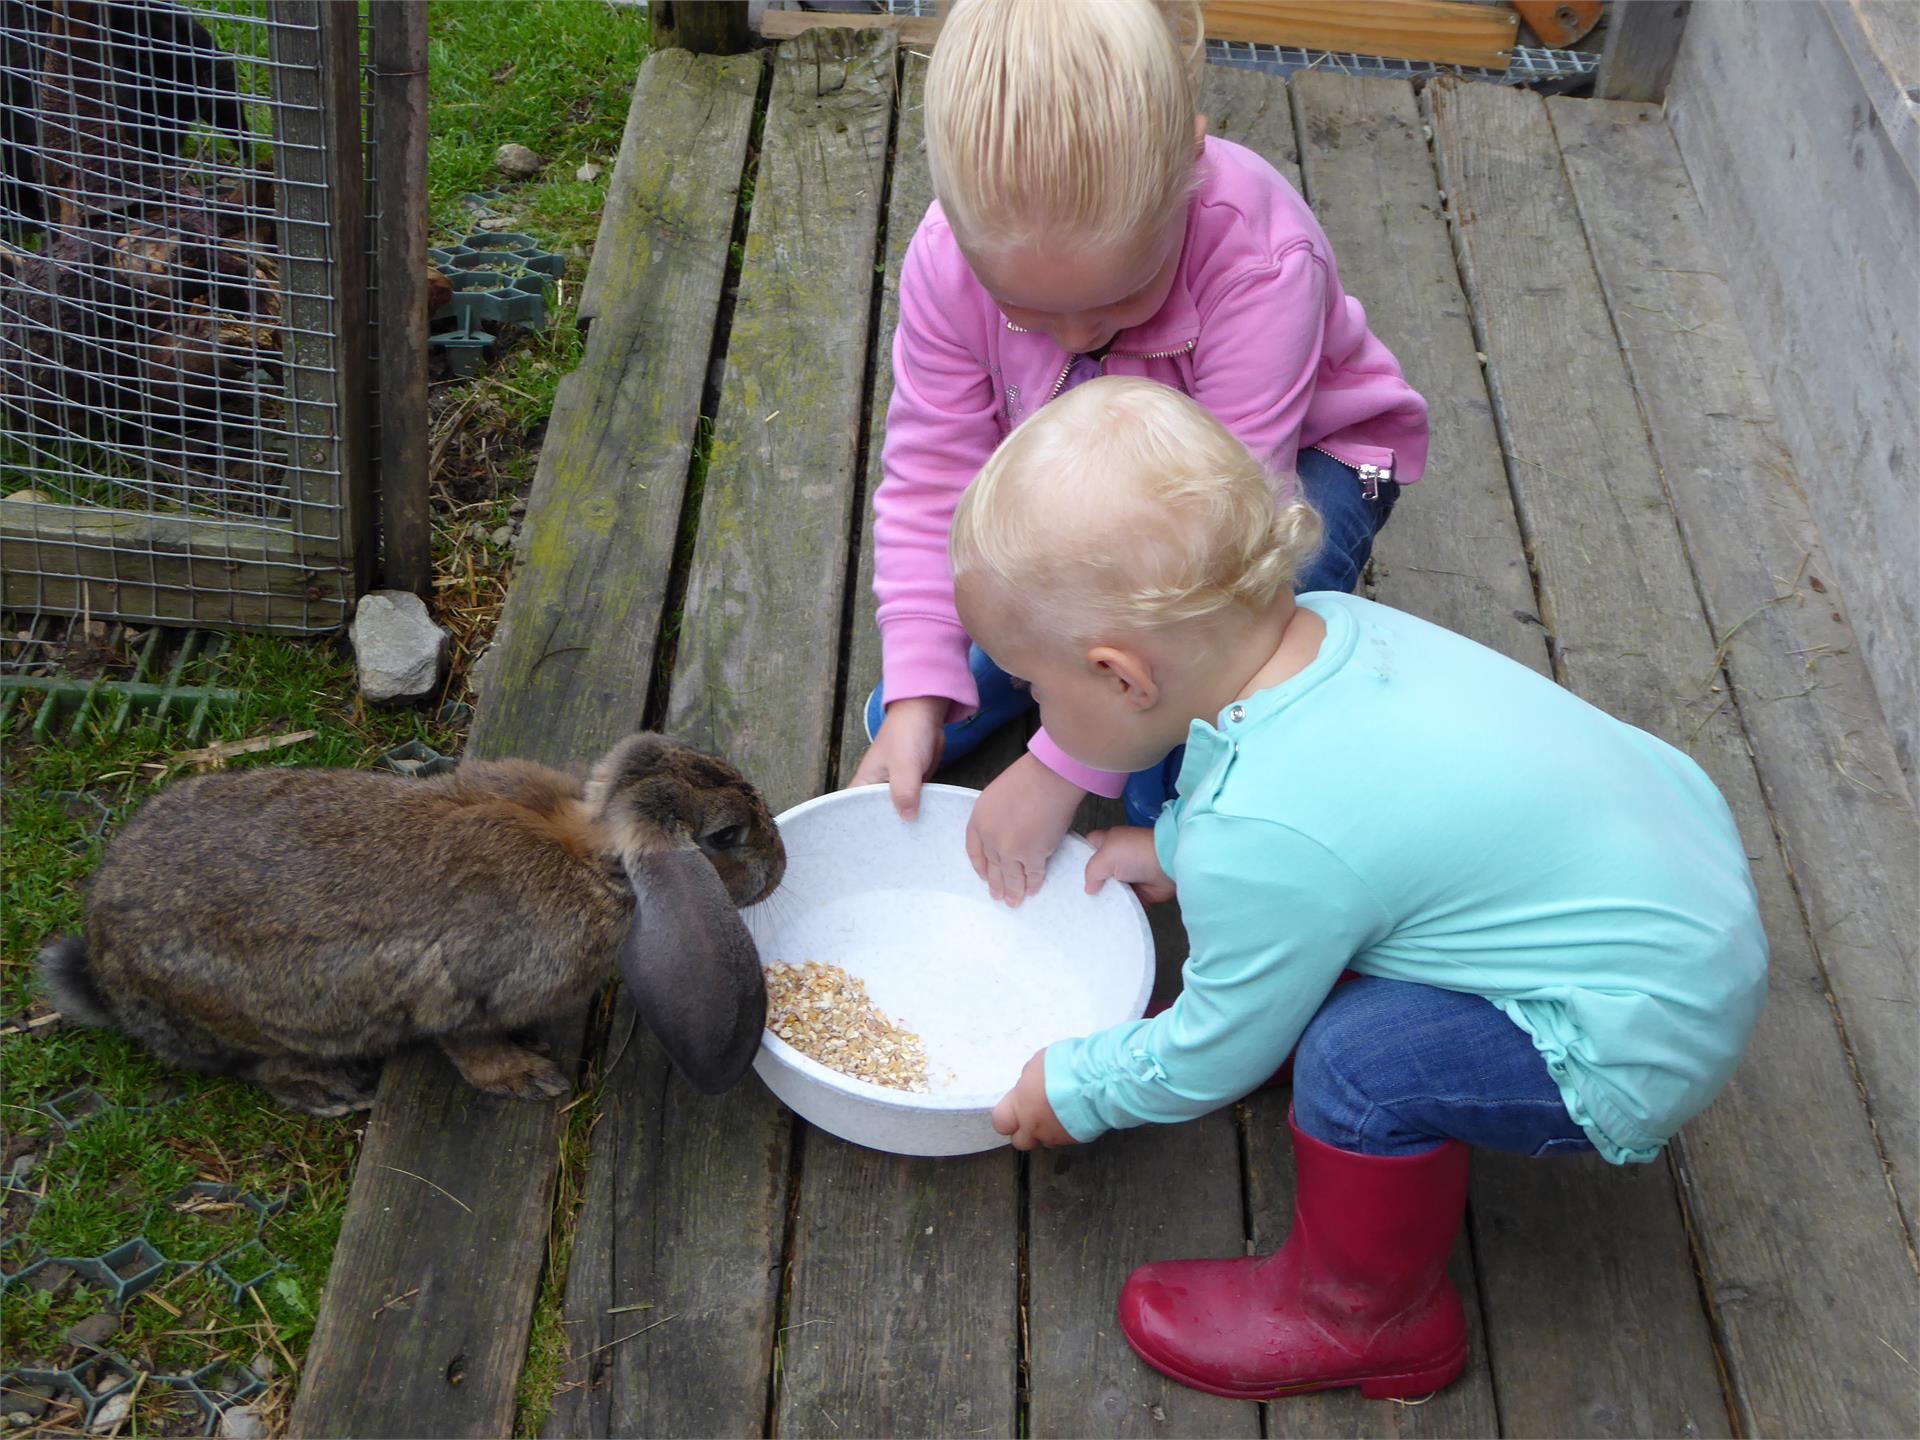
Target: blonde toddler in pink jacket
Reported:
[(1086, 225)]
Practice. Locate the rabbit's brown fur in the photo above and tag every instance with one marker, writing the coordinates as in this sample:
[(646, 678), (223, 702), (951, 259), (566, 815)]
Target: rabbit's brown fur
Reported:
[(291, 926)]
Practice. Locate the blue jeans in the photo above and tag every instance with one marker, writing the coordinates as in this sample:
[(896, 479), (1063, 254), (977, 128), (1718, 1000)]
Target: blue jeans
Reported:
[(1391, 1068)]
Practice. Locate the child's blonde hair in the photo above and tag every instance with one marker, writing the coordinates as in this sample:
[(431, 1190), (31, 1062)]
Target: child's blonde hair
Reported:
[(1063, 120), (1124, 506)]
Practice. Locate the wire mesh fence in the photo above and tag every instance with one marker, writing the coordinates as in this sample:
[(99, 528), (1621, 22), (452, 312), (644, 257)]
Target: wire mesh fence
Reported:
[(184, 311)]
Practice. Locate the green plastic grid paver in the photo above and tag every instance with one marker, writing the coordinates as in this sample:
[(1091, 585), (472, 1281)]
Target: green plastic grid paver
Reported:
[(90, 1383), (246, 1267), (499, 279), (73, 703)]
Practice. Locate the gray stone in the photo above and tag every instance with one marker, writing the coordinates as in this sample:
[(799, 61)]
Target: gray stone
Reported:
[(25, 1165), (112, 1415), (400, 652), (241, 1422), (24, 1404), (588, 173), (503, 537), (517, 162), (262, 1364), (93, 1332)]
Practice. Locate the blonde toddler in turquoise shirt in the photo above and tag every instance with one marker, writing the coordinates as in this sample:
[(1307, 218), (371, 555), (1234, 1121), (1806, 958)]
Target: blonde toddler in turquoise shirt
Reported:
[(1550, 911)]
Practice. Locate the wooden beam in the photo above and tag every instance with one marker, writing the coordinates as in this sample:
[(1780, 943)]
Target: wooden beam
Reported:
[(322, 198), (1643, 39), (1829, 765), (400, 120), (570, 674), (686, 1195), (1439, 30), (915, 31), (1802, 1252), (1560, 22), (903, 1307), (179, 570), (706, 27)]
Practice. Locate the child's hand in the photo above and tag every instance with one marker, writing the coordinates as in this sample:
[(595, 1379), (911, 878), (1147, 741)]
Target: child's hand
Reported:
[(1016, 824), (906, 750), (1025, 1113), (1126, 854)]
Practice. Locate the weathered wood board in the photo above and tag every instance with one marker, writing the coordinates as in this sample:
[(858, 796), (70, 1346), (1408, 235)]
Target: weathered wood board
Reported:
[(1825, 760), (692, 1207), (1095, 1215), (1642, 42), (1455, 34), (1800, 1270), (901, 1317), (1453, 554), (584, 616), (605, 507), (1366, 172), (79, 560), (1807, 173)]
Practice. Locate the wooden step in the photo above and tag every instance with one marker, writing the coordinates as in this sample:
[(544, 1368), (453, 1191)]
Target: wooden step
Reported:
[(1803, 1254), (424, 1324)]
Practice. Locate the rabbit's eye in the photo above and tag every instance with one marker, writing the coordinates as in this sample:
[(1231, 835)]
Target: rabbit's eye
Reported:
[(729, 837)]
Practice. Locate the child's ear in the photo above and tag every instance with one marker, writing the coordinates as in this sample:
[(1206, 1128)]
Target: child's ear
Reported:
[(1127, 674), (1199, 137)]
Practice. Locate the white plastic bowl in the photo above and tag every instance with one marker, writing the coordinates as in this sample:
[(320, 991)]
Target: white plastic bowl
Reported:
[(898, 905)]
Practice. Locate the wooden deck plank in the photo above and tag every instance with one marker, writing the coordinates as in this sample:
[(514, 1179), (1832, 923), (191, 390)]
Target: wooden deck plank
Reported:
[(1365, 170), (1805, 154), (903, 1309), (1453, 554), (692, 1209), (1824, 754), (605, 507), (1096, 1215), (1804, 1256)]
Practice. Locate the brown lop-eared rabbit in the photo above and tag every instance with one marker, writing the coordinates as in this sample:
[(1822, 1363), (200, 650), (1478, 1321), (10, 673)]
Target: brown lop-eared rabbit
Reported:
[(294, 927)]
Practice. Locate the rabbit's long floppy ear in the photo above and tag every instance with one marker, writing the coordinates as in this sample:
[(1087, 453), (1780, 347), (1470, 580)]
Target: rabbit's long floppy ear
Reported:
[(692, 968)]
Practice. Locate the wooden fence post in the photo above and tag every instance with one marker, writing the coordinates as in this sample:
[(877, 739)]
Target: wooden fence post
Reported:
[(706, 27), (1643, 37), (400, 119)]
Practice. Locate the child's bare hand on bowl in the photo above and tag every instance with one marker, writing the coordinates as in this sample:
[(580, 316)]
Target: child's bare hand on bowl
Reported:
[(1017, 824), (1024, 1113), (1125, 853), (906, 751)]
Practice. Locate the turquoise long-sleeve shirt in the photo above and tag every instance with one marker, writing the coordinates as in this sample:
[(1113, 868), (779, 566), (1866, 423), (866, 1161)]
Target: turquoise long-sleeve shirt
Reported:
[(1415, 806)]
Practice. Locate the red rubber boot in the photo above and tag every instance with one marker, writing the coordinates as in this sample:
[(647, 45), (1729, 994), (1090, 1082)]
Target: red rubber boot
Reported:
[(1358, 1295)]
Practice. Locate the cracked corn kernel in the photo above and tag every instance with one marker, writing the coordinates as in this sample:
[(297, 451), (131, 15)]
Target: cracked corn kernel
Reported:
[(825, 1014)]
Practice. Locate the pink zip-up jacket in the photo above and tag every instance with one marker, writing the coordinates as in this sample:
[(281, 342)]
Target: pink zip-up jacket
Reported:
[(1256, 328)]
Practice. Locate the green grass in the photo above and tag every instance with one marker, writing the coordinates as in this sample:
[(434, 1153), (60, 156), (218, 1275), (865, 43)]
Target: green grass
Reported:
[(555, 75), (119, 1173)]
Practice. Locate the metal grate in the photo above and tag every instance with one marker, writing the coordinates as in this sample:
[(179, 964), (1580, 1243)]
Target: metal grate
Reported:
[(1531, 65), (177, 441)]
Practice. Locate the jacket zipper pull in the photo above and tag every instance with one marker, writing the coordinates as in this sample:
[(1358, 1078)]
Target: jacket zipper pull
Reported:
[(1370, 478)]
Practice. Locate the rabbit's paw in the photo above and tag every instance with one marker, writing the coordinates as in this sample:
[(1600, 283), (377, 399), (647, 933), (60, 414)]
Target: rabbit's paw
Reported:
[(500, 1067), (318, 1087)]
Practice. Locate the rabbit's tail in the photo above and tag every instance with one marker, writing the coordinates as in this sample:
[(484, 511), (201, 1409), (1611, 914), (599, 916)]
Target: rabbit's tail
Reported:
[(69, 981)]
